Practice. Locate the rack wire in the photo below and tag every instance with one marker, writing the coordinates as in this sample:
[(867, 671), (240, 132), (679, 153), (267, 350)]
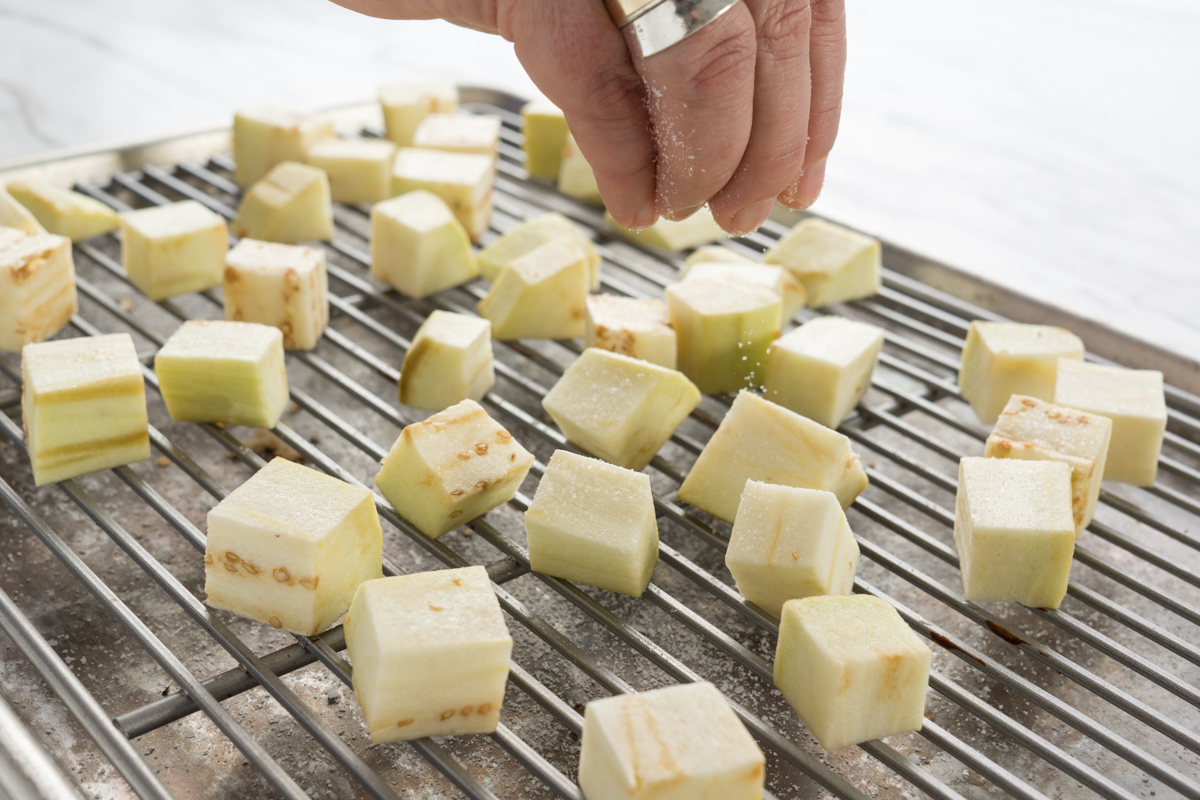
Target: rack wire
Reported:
[(1098, 698)]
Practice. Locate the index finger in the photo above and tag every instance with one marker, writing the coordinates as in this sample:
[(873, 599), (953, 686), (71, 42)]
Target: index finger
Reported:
[(701, 97), (579, 59)]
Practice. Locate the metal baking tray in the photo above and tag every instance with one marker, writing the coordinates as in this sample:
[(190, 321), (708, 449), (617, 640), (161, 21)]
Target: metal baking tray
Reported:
[(120, 683)]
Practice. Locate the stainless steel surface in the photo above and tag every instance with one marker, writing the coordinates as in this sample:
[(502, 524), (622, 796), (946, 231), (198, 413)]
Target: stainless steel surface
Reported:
[(26, 769), (1097, 699)]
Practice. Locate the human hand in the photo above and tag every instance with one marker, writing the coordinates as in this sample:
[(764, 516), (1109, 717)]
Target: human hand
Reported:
[(739, 114)]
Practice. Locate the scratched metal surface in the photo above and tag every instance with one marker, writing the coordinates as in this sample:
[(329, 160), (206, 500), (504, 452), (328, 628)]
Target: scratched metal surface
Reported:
[(1096, 699)]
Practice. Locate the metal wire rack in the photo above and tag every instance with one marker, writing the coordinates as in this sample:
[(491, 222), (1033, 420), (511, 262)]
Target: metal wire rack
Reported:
[(1096, 699)]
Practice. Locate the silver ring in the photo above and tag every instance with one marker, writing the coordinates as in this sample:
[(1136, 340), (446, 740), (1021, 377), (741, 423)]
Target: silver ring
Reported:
[(652, 27)]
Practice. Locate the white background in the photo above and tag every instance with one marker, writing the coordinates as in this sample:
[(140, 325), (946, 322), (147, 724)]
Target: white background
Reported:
[(1050, 145)]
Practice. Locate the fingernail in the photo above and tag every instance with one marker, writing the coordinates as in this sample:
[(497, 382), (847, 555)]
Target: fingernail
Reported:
[(679, 216), (645, 218), (805, 191), (750, 219)]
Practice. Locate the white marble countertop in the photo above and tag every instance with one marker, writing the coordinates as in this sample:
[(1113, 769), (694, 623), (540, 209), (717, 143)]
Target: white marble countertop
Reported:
[(1048, 145)]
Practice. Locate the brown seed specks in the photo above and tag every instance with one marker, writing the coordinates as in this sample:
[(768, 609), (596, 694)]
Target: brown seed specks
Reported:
[(281, 574), (1004, 445), (434, 607), (208, 560), (456, 513), (230, 567), (448, 713), (503, 436), (795, 556), (310, 583), (232, 557), (456, 493), (404, 723), (1028, 403), (481, 448), (253, 570), (481, 485), (466, 711), (275, 623), (485, 708), (464, 456)]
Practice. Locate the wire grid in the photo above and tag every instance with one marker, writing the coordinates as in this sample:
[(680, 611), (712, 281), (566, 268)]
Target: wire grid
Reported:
[(1025, 702)]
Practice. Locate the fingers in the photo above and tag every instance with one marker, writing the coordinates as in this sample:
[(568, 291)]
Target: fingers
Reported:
[(774, 157), (701, 99), (828, 61), (579, 59)]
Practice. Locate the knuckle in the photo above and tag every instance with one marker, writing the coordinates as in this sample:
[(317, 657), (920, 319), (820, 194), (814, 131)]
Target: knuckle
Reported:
[(829, 12), (780, 168), (785, 26), (613, 95), (725, 66), (829, 108)]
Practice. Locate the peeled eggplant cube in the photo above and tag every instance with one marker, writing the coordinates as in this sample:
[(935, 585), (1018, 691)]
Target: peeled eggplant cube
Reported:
[(1014, 530), (680, 742), (1034, 429), (593, 523), (174, 249), (618, 408), (545, 131), (532, 234), (290, 204), (851, 668), (451, 468), (359, 170), (267, 135), (37, 287), (1001, 359), (723, 332), (430, 654), (713, 253), (460, 133), (281, 285), (759, 440), (777, 279), (576, 177), (823, 368), (230, 372), (63, 212), (15, 215), (540, 295), (418, 246), (68, 386), (700, 228), (290, 546), (450, 360), (405, 105), (631, 326), (1134, 400), (462, 180), (835, 264), (788, 543)]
